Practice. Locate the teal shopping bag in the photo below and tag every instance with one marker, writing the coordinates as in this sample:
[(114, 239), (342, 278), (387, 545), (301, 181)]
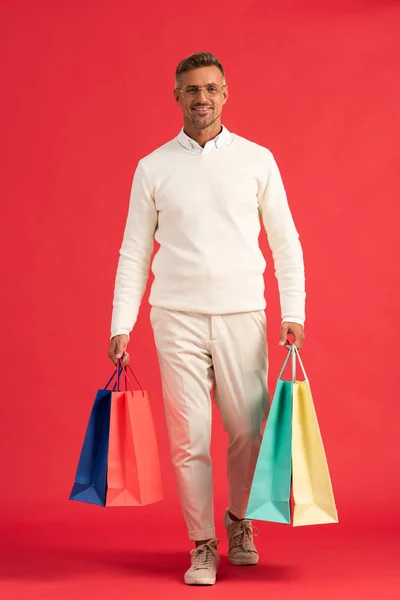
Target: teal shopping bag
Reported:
[(270, 491)]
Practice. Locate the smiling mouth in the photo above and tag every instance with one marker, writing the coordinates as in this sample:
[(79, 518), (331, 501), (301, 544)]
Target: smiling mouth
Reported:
[(201, 109)]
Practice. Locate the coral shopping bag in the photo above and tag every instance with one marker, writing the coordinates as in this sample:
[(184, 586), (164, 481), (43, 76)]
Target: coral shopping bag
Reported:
[(133, 474), (314, 501)]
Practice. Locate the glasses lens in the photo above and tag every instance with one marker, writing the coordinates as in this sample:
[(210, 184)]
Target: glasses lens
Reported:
[(192, 92), (209, 90), (212, 90)]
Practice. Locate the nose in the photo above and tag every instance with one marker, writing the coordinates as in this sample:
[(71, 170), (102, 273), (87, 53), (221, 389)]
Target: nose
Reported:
[(202, 94)]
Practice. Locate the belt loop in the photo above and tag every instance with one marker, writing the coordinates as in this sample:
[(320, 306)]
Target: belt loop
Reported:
[(213, 327)]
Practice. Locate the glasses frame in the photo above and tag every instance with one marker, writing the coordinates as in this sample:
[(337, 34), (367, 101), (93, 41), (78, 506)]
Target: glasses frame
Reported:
[(201, 87)]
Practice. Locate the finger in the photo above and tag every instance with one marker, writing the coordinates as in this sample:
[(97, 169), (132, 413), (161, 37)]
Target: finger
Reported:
[(111, 355), (125, 359), (120, 358), (283, 339), (299, 340), (121, 345)]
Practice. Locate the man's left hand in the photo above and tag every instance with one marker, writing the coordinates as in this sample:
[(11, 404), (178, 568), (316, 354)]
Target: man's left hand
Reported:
[(294, 329)]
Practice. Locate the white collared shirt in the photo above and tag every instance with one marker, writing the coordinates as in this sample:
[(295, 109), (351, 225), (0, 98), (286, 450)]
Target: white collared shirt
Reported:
[(222, 140)]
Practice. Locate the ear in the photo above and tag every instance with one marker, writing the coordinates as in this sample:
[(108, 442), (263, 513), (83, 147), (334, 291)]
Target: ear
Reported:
[(225, 94), (177, 96)]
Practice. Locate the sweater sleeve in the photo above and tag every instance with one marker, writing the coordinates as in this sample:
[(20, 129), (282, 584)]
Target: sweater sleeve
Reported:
[(284, 242), (134, 255)]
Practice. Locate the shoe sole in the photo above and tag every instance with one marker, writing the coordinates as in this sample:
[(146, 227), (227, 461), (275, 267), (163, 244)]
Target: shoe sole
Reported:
[(241, 563), (194, 581)]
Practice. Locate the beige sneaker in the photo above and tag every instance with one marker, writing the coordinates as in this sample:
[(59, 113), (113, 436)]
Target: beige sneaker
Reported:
[(242, 550), (205, 562)]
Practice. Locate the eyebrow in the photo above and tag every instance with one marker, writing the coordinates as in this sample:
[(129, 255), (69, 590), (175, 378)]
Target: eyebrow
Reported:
[(194, 85)]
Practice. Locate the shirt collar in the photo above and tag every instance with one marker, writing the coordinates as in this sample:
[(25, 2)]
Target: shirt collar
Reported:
[(222, 140)]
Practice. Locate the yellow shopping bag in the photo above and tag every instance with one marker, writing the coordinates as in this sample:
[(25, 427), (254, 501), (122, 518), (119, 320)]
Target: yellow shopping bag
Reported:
[(313, 497)]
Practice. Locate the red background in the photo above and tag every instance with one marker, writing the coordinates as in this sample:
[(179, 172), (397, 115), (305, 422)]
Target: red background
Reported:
[(87, 91)]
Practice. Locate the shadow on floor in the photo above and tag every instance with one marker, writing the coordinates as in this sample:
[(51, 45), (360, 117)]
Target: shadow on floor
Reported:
[(56, 564)]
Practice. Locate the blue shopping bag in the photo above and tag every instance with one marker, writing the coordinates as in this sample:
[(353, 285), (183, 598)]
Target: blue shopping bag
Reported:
[(91, 475), (269, 498)]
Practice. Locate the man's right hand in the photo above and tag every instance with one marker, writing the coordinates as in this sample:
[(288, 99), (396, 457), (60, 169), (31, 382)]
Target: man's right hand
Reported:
[(117, 349)]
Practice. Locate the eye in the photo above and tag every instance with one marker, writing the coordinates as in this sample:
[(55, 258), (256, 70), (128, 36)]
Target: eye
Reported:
[(192, 91), (212, 89)]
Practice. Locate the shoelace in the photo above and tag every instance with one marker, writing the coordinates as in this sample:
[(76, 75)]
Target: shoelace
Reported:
[(243, 536), (203, 556)]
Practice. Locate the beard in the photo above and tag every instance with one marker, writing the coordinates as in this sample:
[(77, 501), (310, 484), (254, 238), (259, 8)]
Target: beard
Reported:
[(203, 122)]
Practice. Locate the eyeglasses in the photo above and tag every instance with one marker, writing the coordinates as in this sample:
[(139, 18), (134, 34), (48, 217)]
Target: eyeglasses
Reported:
[(193, 91)]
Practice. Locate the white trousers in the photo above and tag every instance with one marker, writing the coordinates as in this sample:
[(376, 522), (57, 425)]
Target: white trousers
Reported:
[(196, 351)]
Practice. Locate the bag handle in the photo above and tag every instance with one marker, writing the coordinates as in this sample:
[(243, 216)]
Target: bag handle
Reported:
[(110, 380), (300, 361), (116, 383), (292, 352), (136, 379), (285, 363), (123, 370)]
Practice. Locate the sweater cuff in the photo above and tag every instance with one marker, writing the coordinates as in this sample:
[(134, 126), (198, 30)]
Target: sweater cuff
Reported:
[(120, 332), (293, 320)]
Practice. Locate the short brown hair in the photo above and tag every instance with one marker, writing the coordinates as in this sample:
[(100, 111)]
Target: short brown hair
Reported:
[(196, 61)]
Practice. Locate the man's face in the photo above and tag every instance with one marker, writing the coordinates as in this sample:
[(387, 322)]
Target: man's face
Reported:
[(203, 110)]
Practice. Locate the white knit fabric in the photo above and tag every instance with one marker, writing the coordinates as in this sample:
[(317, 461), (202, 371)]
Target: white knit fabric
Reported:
[(204, 207)]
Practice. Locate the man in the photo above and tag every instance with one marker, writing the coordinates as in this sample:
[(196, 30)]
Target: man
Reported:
[(202, 197)]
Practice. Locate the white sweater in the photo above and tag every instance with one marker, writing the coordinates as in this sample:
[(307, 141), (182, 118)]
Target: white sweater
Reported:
[(204, 206)]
